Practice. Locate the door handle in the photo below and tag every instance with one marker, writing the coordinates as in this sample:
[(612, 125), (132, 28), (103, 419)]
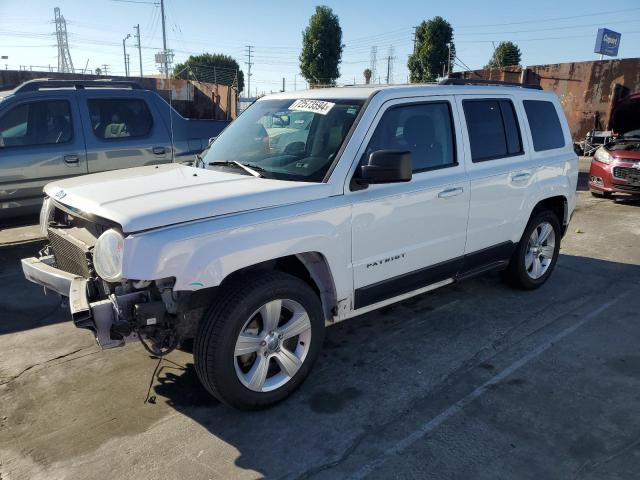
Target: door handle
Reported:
[(72, 159), (450, 192), (520, 177), (158, 150)]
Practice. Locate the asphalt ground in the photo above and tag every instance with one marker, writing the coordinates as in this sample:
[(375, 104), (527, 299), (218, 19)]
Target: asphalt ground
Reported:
[(475, 380)]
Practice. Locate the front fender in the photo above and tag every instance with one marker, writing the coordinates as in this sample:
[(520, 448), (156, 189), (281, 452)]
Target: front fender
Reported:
[(202, 254)]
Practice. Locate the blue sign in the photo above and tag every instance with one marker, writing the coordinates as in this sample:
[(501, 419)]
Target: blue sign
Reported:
[(607, 42)]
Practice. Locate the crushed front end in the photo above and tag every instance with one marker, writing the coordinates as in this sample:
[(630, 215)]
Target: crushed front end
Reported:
[(81, 263)]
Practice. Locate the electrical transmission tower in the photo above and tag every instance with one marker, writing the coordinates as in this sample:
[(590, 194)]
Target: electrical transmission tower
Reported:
[(65, 64), (390, 59), (374, 63)]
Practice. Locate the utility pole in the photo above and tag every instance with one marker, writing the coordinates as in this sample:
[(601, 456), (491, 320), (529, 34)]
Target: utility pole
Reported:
[(164, 41), (390, 59), (374, 62), (139, 45), (283, 87), (449, 61), (415, 38), (248, 62), (105, 69), (124, 53)]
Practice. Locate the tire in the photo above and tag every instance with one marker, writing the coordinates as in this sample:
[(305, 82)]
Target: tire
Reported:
[(249, 305), (601, 194), (521, 271)]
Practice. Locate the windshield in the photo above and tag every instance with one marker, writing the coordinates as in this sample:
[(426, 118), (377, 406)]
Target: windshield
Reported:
[(285, 139)]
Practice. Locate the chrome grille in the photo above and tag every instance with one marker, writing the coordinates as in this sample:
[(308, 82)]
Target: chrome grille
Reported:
[(631, 175), (71, 254)]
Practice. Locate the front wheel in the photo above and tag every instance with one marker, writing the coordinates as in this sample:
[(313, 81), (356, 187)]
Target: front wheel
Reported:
[(537, 252), (260, 340)]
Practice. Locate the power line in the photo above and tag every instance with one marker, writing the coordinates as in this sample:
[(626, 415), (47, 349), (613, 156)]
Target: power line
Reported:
[(550, 28), (553, 19)]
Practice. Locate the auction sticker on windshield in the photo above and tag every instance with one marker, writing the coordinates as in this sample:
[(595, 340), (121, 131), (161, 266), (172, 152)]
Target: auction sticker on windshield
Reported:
[(314, 106)]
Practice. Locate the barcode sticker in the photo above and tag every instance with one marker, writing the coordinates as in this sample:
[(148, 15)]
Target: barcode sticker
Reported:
[(314, 106)]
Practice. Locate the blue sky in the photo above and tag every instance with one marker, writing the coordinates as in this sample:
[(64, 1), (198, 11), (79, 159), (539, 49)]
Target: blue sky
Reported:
[(97, 27)]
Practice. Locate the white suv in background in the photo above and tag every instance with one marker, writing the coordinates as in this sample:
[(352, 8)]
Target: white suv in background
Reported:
[(382, 193)]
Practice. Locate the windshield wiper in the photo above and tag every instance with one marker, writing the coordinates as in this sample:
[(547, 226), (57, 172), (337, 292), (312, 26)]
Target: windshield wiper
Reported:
[(252, 170)]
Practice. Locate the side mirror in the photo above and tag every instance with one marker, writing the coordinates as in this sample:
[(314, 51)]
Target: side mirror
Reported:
[(211, 140), (386, 166)]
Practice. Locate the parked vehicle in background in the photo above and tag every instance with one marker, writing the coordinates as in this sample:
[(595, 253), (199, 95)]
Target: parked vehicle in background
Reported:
[(389, 193), (53, 129), (615, 167)]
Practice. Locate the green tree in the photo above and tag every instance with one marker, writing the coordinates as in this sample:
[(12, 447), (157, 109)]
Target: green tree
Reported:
[(431, 54), (212, 68), (506, 54), (321, 48), (367, 75)]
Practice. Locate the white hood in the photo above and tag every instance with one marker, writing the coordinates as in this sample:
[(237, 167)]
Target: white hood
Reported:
[(155, 196)]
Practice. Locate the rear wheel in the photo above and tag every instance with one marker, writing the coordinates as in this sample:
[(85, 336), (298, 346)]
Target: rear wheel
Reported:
[(537, 252), (260, 340)]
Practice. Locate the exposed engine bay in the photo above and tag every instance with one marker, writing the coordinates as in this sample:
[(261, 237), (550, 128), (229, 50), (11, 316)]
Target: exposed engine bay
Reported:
[(148, 311)]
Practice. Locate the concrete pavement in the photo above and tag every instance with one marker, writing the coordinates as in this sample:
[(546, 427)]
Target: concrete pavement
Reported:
[(475, 380)]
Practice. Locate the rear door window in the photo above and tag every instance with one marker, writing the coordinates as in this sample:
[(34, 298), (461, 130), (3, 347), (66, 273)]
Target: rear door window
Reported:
[(36, 123), (113, 119), (493, 129), (544, 123)]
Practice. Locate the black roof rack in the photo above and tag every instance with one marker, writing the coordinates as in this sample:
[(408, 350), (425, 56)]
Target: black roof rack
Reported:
[(478, 81), (34, 85)]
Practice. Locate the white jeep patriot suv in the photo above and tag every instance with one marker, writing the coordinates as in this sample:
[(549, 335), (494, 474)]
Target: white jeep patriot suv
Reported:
[(311, 208)]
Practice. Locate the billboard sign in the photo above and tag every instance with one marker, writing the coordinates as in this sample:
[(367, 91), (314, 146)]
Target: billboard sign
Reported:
[(607, 42)]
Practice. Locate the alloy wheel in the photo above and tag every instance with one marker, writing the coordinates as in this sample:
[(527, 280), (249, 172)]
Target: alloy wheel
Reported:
[(540, 250), (272, 345)]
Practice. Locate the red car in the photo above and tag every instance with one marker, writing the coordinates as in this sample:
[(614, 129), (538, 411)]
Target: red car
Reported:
[(615, 167)]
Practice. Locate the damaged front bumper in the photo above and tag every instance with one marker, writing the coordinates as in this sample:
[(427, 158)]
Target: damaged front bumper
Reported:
[(99, 316)]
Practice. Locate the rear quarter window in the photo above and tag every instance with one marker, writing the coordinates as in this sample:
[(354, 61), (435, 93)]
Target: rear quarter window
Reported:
[(546, 130)]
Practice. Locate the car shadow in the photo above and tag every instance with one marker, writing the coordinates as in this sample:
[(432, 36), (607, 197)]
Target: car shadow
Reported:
[(22, 221), (382, 363), (583, 182), (18, 293)]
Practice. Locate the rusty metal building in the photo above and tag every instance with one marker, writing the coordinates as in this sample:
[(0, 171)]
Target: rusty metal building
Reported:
[(190, 98), (588, 91)]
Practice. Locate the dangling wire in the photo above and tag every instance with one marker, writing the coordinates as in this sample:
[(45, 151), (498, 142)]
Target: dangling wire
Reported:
[(159, 354)]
